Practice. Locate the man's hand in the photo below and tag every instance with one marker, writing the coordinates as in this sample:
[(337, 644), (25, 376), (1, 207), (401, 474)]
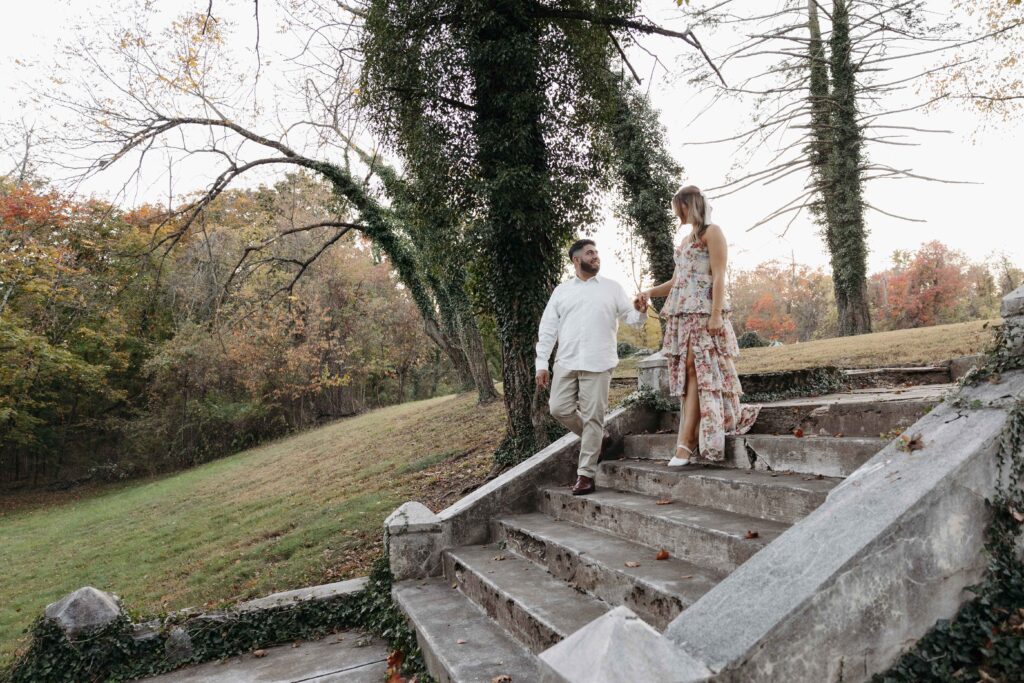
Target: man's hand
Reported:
[(543, 379)]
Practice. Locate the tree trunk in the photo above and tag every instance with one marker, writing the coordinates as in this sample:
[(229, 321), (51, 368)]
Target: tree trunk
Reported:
[(521, 248), (472, 344), (452, 350), (846, 235)]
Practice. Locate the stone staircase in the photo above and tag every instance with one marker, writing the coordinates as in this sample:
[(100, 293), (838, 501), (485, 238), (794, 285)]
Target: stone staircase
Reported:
[(546, 573)]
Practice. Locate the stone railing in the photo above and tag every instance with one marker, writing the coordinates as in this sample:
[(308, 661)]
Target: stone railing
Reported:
[(416, 536)]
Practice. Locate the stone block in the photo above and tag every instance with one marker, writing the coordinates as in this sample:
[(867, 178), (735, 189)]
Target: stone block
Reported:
[(413, 536), (178, 646), (84, 610), (960, 366), (652, 373), (619, 647)]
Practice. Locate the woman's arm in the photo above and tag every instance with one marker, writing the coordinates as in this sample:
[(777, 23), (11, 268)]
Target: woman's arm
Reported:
[(659, 290), (718, 250)]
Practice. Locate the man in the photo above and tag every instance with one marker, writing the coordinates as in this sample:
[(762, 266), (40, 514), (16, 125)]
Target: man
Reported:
[(583, 315)]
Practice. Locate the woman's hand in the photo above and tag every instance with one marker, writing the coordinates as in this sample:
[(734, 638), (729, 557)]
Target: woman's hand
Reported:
[(640, 301), (715, 324)]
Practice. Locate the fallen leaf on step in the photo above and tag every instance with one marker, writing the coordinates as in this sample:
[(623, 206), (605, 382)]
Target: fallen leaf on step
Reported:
[(1017, 515), (662, 555), (294, 645), (798, 433), (837, 434), (632, 565), (455, 585), (688, 576), (751, 534), (504, 678), (822, 432), (911, 443), (460, 641), (664, 501), (259, 653), (499, 558), (994, 378)]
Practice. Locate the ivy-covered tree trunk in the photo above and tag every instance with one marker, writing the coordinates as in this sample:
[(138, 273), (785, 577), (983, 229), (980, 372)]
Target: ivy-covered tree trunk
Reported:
[(521, 252), (846, 234)]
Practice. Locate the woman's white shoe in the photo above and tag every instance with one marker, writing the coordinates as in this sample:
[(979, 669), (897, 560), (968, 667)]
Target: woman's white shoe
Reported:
[(676, 461)]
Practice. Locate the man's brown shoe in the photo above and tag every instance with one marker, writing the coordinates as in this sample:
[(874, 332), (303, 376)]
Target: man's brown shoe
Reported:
[(583, 486)]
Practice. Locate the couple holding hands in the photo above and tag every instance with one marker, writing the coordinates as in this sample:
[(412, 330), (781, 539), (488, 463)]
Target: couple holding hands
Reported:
[(700, 345)]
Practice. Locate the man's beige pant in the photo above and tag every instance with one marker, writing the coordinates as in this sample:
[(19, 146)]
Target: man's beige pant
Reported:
[(579, 400)]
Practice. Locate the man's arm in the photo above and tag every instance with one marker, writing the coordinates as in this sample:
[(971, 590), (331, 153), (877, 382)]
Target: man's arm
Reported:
[(626, 311), (546, 337)]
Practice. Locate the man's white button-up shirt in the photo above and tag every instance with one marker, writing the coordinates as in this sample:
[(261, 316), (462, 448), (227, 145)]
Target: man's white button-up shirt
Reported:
[(583, 317)]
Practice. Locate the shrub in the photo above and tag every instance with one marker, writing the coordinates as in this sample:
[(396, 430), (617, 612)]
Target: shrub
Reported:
[(752, 340)]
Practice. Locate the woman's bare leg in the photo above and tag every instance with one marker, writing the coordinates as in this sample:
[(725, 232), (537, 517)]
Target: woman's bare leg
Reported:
[(690, 405)]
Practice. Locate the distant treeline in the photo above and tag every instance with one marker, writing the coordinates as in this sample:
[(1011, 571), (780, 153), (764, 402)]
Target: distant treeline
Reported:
[(934, 285), (126, 350)]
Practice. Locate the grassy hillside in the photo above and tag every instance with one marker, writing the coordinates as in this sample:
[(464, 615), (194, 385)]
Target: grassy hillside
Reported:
[(920, 346), (302, 510)]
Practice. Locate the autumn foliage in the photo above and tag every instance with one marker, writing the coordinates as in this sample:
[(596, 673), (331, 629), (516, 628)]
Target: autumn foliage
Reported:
[(120, 359)]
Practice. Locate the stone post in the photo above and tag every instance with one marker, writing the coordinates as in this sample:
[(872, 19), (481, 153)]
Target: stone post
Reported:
[(652, 373), (412, 534)]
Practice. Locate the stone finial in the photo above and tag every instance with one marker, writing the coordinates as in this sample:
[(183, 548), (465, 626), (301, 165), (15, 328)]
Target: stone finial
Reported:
[(413, 536), (619, 647), (412, 518), (83, 610)]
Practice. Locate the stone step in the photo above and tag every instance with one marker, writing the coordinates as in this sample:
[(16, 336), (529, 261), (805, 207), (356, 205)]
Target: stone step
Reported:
[(594, 561), (859, 378), (460, 643), (704, 536), (537, 609), (865, 412), (768, 495), (828, 456)]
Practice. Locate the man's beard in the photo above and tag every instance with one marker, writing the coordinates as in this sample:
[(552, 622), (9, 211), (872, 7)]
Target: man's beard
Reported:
[(589, 269)]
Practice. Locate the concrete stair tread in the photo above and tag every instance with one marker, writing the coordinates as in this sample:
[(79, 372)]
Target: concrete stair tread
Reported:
[(548, 600), (789, 480), (612, 552), (443, 617), (719, 521)]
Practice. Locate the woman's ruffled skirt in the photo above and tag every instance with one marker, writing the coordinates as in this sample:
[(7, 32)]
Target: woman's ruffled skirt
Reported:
[(718, 385)]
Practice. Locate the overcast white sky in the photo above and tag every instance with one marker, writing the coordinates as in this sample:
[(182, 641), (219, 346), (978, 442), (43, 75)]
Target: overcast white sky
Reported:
[(976, 219)]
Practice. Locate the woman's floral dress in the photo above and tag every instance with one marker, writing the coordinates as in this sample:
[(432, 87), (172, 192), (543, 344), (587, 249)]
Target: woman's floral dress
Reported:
[(687, 310)]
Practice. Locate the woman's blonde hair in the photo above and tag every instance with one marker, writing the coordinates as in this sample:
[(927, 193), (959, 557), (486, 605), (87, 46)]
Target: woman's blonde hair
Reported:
[(691, 197)]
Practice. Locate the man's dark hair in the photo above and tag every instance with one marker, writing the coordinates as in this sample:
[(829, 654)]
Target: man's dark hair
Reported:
[(579, 244)]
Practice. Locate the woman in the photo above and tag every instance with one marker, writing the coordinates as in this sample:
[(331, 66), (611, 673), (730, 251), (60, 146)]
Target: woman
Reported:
[(700, 343)]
